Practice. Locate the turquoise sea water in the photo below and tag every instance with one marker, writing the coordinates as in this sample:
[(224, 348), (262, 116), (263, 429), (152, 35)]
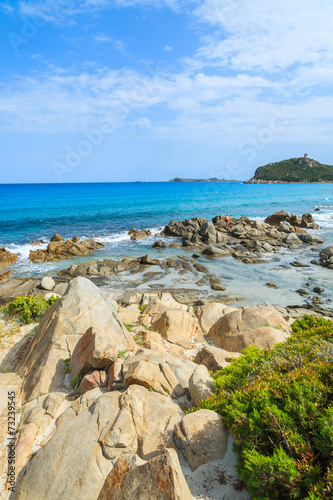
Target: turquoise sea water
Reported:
[(36, 211)]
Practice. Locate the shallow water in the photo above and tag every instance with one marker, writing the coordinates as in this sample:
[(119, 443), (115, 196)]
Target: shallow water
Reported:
[(34, 212)]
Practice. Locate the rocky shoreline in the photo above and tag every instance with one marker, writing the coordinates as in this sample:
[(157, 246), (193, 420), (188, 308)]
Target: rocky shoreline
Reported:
[(110, 381), (249, 241), (108, 375)]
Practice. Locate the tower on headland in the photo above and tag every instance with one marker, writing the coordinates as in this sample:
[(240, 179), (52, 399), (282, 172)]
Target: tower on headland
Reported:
[(306, 156)]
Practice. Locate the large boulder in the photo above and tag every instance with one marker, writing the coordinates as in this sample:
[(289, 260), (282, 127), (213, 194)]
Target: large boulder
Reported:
[(180, 229), (11, 288), (200, 385), (225, 330), (263, 337), (97, 349), (214, 358), (311, 239), (292, 239), (294, 220), (160, 479), (60, 329), (157, 306), (209, 313), (213, 251), (72, 464), (177, 326), (153, 374), (10, 383), (202, 437), (154, 418), (326, 257), (7, 258), (90, 434), (162, 372)]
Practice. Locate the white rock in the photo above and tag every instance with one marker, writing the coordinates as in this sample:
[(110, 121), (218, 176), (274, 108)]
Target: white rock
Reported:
[(48, 283)]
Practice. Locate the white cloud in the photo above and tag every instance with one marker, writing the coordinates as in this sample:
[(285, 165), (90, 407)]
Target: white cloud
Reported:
[(6, 7), (56, 11), (103, 38), (168, 48), (211, 109), (267, 36), (258, 57)]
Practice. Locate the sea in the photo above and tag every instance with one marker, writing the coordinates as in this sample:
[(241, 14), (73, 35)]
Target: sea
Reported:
[(107, 211)]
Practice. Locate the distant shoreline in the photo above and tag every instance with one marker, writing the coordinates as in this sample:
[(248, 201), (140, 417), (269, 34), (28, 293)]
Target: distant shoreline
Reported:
[(212, 179)]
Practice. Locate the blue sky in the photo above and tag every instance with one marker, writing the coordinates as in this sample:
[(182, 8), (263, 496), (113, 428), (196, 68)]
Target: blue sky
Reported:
[(125, 90)]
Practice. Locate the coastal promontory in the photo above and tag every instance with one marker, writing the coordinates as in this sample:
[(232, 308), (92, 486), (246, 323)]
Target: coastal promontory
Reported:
[(302, 169)]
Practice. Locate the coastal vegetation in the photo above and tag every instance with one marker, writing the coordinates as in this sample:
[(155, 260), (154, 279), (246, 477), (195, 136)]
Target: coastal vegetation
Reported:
[(28, 308), (278, 405), (293, 170)]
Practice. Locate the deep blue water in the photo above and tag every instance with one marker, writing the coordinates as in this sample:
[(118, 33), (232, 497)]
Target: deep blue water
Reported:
[(35, 211)]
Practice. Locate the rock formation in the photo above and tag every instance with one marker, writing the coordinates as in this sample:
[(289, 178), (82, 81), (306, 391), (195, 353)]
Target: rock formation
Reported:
[(59, 249), (7, 258)]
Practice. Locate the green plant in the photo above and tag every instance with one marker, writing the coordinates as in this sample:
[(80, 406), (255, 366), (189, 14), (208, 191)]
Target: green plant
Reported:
[(278, 405), (143, 308), (151, 388), (122, 354), (128, 327), (76, 379), (29, 308), (67, 361), (139, 339)]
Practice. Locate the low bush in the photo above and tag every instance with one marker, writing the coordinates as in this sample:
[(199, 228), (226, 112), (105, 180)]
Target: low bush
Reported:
[(28, 308), (278, 405)]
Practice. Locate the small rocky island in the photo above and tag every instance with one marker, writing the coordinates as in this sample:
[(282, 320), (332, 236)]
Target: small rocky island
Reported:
[(212, 179), (293, 170)]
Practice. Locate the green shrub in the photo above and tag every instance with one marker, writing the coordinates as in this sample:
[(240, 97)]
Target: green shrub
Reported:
[(122, 353), (143, 308), (28, 308), (278, 405), (67, 361), (78, 378)]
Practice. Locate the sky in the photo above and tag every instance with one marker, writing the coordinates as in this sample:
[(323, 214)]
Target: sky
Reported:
[(127, 90)]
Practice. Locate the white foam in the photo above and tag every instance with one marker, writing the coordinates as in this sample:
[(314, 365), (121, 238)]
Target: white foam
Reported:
[(124, 236), (24, 250), (113, 238)]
